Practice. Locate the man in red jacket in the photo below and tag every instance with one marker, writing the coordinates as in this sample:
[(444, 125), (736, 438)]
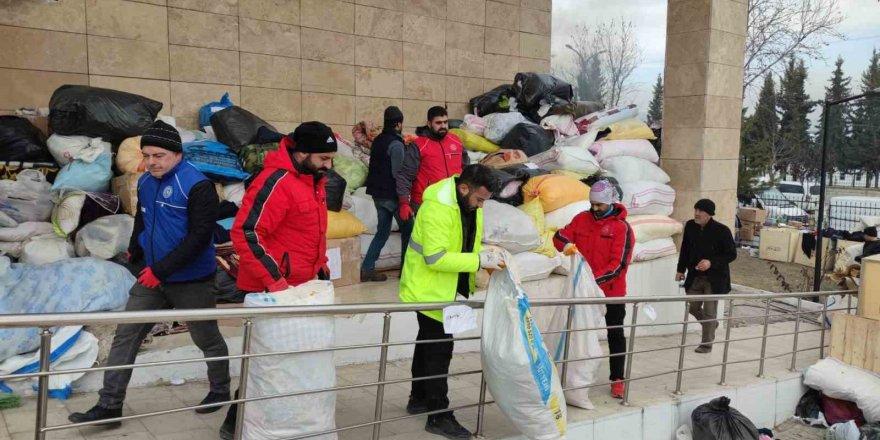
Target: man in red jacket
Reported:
[(605, 240), (437, 156), (281, 228)]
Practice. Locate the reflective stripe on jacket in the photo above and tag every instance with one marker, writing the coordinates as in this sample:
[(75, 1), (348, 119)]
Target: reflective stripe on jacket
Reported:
[(434, 258)]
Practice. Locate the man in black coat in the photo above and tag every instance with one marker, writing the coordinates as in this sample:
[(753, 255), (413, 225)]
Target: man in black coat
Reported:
[(707, 250)]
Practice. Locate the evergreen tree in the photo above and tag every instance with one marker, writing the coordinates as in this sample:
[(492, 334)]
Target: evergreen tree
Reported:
[(760, 138), (796, 151), (866, 121), (840, 156), (655, 108), (591, 81)]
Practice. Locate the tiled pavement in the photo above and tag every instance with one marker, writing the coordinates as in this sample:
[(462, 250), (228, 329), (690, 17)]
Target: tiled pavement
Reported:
[(357, 405)]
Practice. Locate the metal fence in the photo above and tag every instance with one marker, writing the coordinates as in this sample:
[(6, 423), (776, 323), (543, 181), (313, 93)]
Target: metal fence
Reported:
[(251, 315), (841, 215)]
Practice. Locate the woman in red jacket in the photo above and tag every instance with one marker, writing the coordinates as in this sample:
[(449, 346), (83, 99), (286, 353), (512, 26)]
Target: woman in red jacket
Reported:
[(605, 240)]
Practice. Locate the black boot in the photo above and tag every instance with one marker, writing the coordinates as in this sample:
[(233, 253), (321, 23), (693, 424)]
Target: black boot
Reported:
[(212, 397), (227, 429), (373, 276), (97, 413), (447, 426), (416, 406)]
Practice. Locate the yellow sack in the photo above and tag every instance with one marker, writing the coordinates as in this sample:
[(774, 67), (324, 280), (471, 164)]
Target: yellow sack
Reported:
[(630, 129), (571, 174), (555, 191), (546, 248), (343, 224), (474, 142), (536, 212), (129, 158)]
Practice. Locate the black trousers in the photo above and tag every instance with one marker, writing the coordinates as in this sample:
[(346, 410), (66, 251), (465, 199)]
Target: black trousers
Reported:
[(614, 315), (431, 360)]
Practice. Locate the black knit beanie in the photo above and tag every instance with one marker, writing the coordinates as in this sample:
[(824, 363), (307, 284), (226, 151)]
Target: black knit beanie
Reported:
[(706, 206), (313, 137), (163, 136)]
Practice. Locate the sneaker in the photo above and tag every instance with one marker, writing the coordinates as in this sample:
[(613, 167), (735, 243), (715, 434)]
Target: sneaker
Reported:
[(367, 277), (617, 389), (445, 425), (212, 397), (703, 349), (415, 406), (97, 413)]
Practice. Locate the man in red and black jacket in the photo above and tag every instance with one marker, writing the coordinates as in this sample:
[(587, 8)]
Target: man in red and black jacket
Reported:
[(437, 156), (280, 232), (606, 241)]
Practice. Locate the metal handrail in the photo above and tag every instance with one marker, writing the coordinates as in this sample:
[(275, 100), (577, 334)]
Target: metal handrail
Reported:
[(48, 321)]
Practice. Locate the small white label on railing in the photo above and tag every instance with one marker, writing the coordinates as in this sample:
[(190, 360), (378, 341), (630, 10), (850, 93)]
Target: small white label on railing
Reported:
[(459, 319)]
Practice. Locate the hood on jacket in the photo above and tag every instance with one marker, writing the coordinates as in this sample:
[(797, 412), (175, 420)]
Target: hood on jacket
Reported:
[(281, 158), (443, 192)]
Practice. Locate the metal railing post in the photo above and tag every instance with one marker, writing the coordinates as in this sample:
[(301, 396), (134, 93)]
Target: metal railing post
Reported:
[(481, 407), (383, 363), (679, 373), (43, 381), (764, 339), (242, 377), (727, 325), (822, 328), (629, 356), (797, 329), (567, 336), (849, 305)]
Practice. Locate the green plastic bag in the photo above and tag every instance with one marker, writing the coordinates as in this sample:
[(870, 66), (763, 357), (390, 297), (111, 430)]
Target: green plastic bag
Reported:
[(352, 170)]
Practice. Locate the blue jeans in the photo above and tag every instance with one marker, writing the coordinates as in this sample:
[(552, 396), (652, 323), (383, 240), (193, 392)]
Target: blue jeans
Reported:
[(386, 209)]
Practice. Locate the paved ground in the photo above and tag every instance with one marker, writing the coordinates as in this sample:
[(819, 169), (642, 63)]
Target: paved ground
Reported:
[(356, 405)]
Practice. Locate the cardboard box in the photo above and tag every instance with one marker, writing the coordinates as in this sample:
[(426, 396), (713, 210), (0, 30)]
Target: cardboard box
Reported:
[(125, 186), (749, 231), (801, 258), (869, 289), (751, 215), (855, 340), (344, 261), (778, 244)]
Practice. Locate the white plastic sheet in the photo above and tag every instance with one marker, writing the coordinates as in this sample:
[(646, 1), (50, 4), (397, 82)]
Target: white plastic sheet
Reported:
[(519, 371), (296, 415), (582, 344)]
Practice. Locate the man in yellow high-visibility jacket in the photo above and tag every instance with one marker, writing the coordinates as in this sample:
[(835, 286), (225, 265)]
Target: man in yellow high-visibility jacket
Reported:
[(443, 255)]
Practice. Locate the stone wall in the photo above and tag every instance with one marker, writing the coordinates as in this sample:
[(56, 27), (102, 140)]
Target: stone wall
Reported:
[(286, 60)]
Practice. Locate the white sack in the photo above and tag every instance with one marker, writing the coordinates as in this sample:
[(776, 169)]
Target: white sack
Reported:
[(841, 381), (6, 221), (566, 158), (641, 148), (509, 227), (474, 124), (67, 148), (603, 118), (580, 284), (652, 227), (364, 209), (234, 192), (72, 348), (533, 266), (843, 431), (28, 198), (581, 141), (11, 248), (499, 124), (847, 257), (291, 416), (45, 249), (105, 237), (631, 169), (519, 372), (25, 231), (654, 249), (67, 210), (562, 125), (390, 256), (561, 217), (648, 198)]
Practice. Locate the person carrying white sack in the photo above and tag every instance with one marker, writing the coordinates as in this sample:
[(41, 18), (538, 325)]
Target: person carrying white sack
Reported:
[(444, 253)]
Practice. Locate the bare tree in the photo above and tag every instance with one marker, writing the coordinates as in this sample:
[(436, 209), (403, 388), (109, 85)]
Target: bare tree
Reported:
[(622, 55), (780, 29)]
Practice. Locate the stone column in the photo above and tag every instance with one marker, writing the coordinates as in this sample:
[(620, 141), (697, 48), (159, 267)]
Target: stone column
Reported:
[(702, 100)]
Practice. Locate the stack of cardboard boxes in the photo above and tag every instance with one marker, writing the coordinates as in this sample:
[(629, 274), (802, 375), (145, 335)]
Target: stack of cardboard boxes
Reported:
[(855, 339), (751, 220)]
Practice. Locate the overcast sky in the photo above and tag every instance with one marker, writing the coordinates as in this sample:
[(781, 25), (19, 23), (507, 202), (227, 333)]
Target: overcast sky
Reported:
[(861, 26)]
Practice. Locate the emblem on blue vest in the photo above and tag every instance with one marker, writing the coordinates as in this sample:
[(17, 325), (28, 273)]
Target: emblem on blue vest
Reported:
[(167, 191)]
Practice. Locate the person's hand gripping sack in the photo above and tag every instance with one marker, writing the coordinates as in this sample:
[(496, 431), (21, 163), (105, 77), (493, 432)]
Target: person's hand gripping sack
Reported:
[(492, 260)]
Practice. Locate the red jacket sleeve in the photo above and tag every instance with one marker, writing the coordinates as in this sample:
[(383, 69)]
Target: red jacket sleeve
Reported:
[(264, 207), (565, 235), (620, 253)]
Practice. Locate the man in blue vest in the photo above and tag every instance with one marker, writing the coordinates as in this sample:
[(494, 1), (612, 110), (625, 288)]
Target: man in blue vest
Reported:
[(172, 241), (390, 187)]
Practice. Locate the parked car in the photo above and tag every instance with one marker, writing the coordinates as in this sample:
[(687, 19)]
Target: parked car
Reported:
[(779, 208), (798, 193)]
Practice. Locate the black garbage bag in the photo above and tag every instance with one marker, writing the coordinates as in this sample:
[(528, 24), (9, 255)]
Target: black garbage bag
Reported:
[(94, 112), (335, 191), (510, 192), (533, 90), (530, 138), (809, 408), (716, 420), (21, 141), (576, 109), (455, 123), (494, 101), (266, 136), (524, 172), (237, 127), (870, 431)]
